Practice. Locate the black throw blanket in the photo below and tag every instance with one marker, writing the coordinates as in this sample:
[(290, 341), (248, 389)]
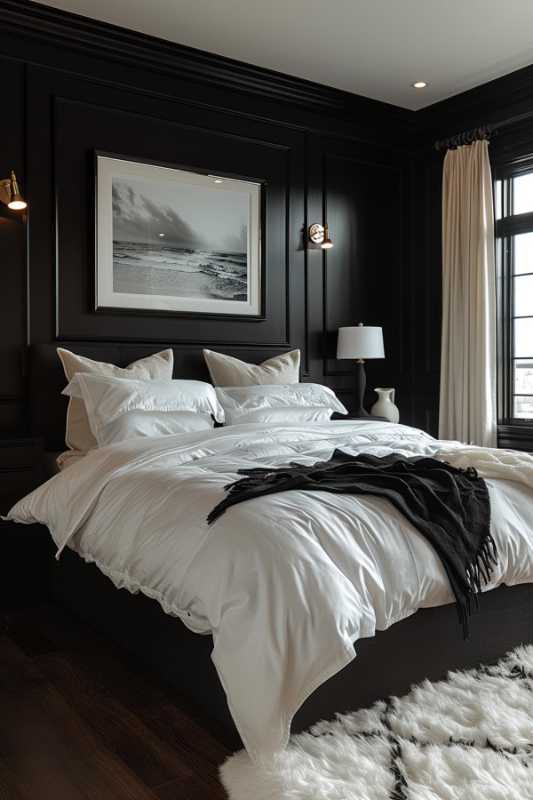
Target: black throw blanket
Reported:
[(449, 506)]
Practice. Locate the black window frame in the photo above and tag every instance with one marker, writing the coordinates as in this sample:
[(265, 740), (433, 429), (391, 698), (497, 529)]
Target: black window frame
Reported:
[(512, 431)]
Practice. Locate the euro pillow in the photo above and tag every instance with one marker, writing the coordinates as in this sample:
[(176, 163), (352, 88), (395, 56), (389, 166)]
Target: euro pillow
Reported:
[(279, 404), (229, 371), (119, 409), (78, 434)]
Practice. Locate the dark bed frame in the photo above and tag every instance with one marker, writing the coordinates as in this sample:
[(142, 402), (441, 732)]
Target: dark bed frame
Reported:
[(426, 645)]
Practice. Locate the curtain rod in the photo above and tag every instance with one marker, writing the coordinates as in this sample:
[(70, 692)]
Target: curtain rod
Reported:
[(483, 132)]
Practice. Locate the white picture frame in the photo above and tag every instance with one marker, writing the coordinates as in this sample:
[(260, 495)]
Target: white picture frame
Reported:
[(171, 240)]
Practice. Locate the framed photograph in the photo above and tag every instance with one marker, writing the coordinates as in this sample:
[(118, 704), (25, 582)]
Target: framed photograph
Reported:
[(172, 240)]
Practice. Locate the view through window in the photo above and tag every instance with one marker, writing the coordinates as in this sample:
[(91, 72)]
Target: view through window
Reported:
[(514, 232)]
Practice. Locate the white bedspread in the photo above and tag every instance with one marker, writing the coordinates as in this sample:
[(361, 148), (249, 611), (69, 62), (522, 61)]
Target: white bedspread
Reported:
[(286, 583)]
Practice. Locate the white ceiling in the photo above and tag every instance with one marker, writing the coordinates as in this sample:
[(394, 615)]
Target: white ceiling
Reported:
[(376, 48)]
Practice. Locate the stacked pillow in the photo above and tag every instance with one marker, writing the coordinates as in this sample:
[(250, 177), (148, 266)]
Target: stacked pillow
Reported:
[(280, 403), (79, 436), (109, 404), (119, 408), (269, 392)]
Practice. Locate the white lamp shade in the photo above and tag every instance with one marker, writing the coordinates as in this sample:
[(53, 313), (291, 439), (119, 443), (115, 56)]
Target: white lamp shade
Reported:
[(360, 341)]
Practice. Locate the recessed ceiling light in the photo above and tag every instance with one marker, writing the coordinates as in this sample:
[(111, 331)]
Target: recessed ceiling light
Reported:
[(419, 85), (219, 180), (161, 235)]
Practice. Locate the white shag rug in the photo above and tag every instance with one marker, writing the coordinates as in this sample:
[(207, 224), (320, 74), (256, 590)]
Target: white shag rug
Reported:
[(469, 737)]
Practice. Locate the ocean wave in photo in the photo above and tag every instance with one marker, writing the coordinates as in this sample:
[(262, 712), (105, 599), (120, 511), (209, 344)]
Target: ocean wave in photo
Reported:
[(179, 272)]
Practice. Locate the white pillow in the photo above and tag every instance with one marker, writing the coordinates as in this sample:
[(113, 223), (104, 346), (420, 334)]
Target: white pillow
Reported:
[(78, 434), (136, 424), (294, 403), (68, 458), (229, 371), (119, 409), (283, 416)]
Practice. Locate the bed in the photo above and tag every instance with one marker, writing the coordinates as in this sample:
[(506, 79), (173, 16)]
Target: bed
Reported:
[(423, 644)]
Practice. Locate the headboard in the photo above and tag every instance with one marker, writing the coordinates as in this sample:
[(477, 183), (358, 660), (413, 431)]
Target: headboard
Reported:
[(47, 406)]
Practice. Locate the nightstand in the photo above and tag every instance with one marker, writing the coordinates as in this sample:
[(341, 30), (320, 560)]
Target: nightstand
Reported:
[(21, 469), (26, 550)]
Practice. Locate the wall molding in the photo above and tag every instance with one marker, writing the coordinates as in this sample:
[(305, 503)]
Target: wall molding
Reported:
[(56, 28), (285, 150), (490, 102), (193, 344), (330, 364), (84, 35)]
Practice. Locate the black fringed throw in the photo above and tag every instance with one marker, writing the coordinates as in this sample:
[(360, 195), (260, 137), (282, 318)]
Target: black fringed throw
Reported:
[(447, 505)]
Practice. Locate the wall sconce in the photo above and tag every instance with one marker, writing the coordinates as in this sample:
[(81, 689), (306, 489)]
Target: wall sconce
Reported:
[(10, 194), (319, 234)]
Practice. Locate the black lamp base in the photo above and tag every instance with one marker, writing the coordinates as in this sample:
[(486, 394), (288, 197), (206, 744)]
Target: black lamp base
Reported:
[(360, 388)]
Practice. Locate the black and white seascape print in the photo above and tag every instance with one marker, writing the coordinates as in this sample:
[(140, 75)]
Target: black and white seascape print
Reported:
[(184, 241), (180, 243)]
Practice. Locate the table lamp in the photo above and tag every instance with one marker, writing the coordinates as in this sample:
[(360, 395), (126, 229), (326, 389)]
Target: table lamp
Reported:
[(359, 343)]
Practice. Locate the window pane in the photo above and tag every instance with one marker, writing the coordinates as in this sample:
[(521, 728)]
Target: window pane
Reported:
[(523, 253), (523, 296), (523, 338), (523, 193), (523, 376), (523, 407)]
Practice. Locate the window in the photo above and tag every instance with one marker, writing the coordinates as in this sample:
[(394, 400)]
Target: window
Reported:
[(514, 251)]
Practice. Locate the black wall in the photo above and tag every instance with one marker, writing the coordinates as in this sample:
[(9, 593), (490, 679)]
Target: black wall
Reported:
[(73, 86)]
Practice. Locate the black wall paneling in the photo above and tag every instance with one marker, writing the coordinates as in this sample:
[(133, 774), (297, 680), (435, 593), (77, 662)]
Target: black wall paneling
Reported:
[(498, 101), (424, 294), (76, 120), (79, 125), (365, 195), (12, 254), (73, 86), (145, 64), (77, 86)]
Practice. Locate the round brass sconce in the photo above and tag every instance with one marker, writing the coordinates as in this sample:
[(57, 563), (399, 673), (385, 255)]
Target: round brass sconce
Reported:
[(319, 234)]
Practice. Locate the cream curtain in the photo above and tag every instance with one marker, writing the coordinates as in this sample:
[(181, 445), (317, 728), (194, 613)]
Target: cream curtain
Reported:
[(467, 409)]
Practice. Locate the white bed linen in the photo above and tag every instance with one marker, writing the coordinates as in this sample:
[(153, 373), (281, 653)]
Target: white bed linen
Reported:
[(286, 583)]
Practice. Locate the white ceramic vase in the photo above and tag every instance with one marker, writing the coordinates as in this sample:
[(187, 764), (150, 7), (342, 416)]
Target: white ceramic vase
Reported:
[(384, 406)]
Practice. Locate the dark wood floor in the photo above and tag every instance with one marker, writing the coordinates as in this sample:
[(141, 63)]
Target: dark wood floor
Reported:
[(78, 722)]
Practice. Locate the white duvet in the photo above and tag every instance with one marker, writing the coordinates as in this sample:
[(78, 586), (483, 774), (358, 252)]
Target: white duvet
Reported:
[(285, 583)]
